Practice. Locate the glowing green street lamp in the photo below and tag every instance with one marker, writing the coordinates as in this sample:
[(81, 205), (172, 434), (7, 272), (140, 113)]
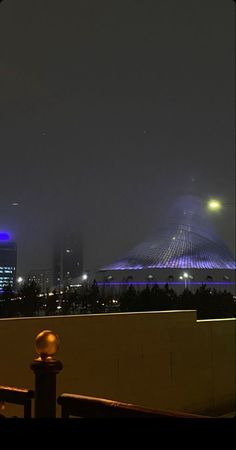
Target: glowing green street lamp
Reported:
[(214, 205)]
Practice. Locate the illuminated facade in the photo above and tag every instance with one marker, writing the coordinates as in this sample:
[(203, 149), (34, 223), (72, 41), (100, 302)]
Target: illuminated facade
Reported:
[(8, 258), (186, 249)]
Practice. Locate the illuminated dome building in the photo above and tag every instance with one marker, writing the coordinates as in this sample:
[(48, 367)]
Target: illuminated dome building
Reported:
[(185, 251)]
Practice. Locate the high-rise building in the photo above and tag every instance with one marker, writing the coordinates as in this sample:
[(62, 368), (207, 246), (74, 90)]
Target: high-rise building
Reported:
[(8, 259), (43, 277), (67, 258)]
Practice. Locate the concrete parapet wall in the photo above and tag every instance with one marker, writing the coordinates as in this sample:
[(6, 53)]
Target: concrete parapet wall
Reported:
[(164, 360)]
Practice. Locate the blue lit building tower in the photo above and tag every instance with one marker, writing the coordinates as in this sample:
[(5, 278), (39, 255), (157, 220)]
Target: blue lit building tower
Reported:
[(8, 259), (185, 250)]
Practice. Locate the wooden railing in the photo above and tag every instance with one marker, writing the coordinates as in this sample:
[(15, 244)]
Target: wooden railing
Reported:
[(93, 408), (17, 397)]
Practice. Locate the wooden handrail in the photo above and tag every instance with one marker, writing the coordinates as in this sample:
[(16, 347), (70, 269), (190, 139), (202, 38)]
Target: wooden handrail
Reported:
[(18, 397), (92, 407)]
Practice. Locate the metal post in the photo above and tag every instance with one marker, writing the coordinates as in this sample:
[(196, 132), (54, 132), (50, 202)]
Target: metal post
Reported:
[(46, 368)]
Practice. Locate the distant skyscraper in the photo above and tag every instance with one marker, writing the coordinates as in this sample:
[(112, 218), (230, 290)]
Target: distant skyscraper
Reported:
[(43, 277), (67, 258), (8, 258)]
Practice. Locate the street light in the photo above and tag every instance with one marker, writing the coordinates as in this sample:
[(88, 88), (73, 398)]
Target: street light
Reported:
[(215, 205), (20, 280), (185, 275), (187, 278)]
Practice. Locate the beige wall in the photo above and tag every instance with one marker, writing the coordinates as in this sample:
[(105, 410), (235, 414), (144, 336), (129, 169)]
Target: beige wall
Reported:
[(164, 360)]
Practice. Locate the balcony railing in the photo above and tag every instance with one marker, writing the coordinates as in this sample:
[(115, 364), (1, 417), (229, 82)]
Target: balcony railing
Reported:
[(46, 368), (18, 397), (93, 408)]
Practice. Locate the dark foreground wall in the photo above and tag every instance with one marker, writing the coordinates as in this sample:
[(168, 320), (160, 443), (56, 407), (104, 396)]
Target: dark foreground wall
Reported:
[(164, 360)]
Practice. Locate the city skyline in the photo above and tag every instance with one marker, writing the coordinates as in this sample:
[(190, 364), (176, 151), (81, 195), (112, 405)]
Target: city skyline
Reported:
[(65, 242), (105, 121)]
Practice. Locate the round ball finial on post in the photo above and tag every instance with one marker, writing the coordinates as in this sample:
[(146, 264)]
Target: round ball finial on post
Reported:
[(47, 344), (46, 368)]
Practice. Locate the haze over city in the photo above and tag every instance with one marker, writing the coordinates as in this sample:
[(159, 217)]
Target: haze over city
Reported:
[(117, 214), (109, 111)]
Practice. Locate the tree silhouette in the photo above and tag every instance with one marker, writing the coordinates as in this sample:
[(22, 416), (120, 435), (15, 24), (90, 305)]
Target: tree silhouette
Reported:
[(9, 306), (29, 298), (51, 302)]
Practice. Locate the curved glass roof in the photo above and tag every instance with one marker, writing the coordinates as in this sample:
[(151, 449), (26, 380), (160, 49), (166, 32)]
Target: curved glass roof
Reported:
[(186, 240)]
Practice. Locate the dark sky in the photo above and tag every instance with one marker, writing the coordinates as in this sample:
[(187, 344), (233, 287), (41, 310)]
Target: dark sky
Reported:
[(107, 109)]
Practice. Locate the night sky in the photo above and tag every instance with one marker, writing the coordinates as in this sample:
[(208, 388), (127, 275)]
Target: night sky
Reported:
[(108, 109)]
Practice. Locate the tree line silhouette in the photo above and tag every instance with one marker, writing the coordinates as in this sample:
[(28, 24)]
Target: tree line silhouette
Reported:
[(89, 299)]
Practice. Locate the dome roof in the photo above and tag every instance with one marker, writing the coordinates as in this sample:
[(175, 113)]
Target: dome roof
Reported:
[(186, 240)]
